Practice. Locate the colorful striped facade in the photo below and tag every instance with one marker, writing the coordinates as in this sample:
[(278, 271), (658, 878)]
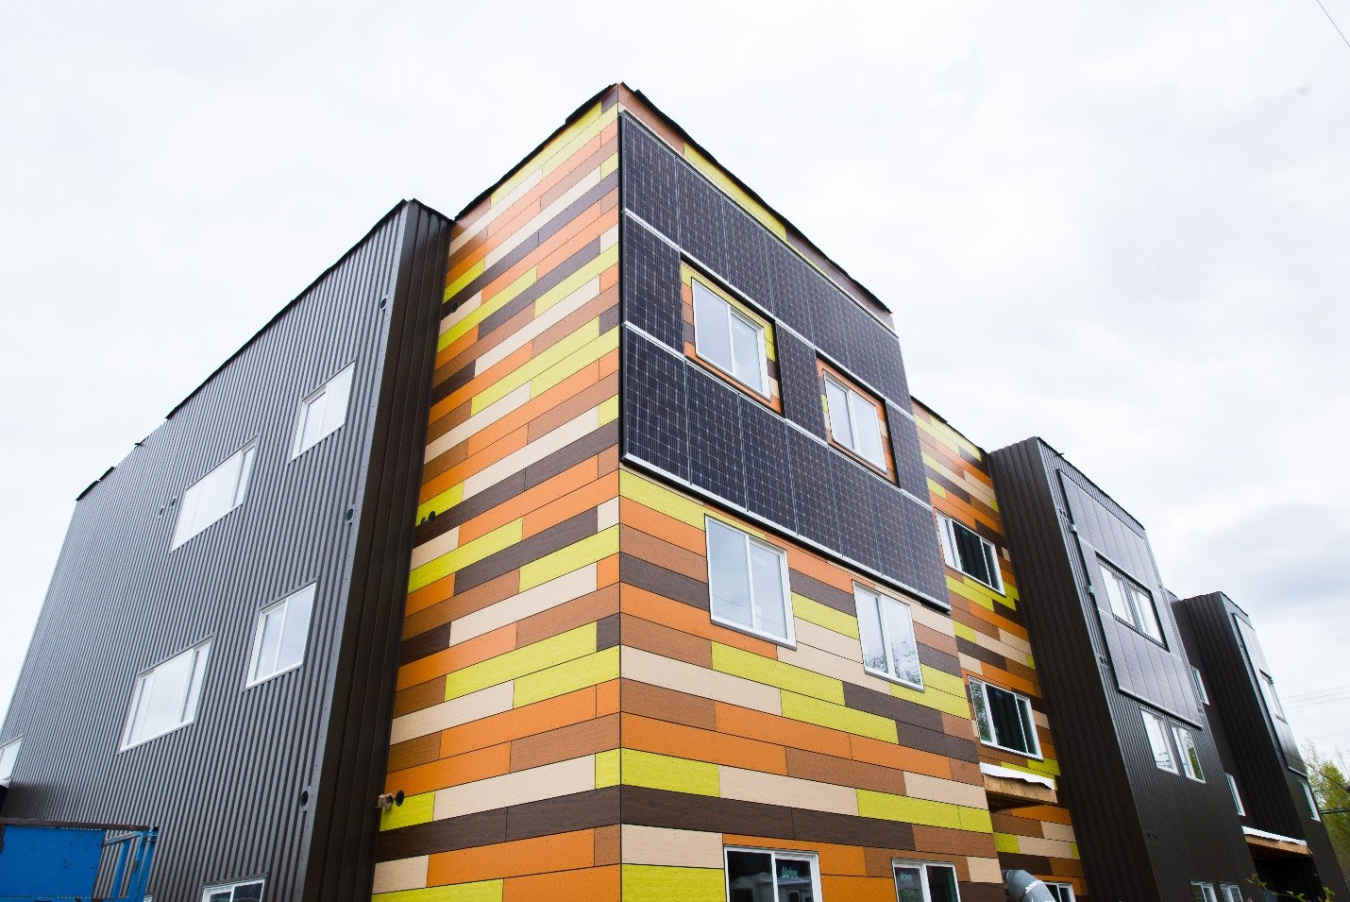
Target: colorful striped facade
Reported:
[(994, 646), (570, 720)]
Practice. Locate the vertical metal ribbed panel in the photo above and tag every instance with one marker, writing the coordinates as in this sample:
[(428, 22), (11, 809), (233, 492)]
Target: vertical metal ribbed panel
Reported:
[(1144, 833), (226, 790)]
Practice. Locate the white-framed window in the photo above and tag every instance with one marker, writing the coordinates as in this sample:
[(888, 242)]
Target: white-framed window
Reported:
[(730, 340), (324, 412), (770, 874), (1157, 740), (251, 891), (280, 637), (748, 583), (925, 881), (1271, 696), (1203, 892), (9, 757), (1237, 797), (215, 494), (886, 628), (963, 549), (1231, 892), (1062, 892), (1131, 602), (854, 422), (1004, 719), (1186, 751), (1312, 801), (165, 697), (1200, 691)]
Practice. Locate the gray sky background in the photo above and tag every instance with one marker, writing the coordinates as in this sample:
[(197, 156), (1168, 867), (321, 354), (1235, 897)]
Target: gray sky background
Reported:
[(1120, 226)]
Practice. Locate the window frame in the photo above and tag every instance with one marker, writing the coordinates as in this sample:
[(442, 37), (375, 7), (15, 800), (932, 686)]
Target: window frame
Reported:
[(1063, 888), (1173, 766), (892, 674), (1206, 891), (952, 558), (853, 443), (252, 677), (774, 854), (7, 772), (1131, 590), (243, 481), (1270, 696), (790, 640), (1024, 707), (1200, 690), (923, 867), (1231, 892), (207, 891), (1313, 811), (762, 390), (301, 419), (1191, 769), (192, 695), (1237, 797)]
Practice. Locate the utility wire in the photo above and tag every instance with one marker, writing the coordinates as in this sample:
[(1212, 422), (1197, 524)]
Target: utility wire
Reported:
[(1308, 703), (1333, 23), (1323, 691)]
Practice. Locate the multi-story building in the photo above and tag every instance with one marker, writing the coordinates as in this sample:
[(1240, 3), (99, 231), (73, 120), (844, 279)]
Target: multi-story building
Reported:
[(1262, 764), (584, 546)]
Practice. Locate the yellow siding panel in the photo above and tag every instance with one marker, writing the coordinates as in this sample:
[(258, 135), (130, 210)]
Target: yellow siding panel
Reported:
[(888, 806), (673, 774), (660, 499), (573, 557), (770, 672), (824, 615), (653, 883), (536, 365), (514, 664), (574, 362), (499, 539), (486, 308), (569, 676), (482, 891), (414, 810), (837, 717), (607, 769), (441, 503)]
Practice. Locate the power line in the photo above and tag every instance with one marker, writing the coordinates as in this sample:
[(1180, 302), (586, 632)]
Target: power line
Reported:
[(1323, 691), (1308, 703), (1333, 24)]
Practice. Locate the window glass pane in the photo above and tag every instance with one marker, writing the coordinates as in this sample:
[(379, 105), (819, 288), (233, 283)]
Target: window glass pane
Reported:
[(1007, 719), (982, 721), (767, 576), (9, 756), (745, 349), (338, 391), (1190, 758), (1029, 726), (749, 876), (867, 427), (908, 883), (1200, 692), (1272, 700), (270, 627), (991, 566), (712, 335), (795, 880), (900, 637), (1148, 614), (970, 552), (948, 542), (729, 574), (312, 429), (869, 629), (1231, 893), (245, 474), (837, 400), (214, 495), (1115, 593), (1312, 802), (941, 883), (195, 687), (217, 896), (1157, 738), (1237, 799), (249, 892), (292, 649), (168, 686)]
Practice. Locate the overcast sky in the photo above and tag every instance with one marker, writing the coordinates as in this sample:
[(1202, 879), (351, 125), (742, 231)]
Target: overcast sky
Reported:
[(1120, 226)]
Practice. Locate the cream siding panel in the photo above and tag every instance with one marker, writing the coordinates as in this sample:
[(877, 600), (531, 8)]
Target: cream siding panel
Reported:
[(405, 873), (828, 640), (547, 782), (540, 324), (935, 789), (670, 848), (774, 789), (984, 870), (478, 422), (564, 435), (655, 670), (528, 603), (429, 551), (474, 706), (817, 661)]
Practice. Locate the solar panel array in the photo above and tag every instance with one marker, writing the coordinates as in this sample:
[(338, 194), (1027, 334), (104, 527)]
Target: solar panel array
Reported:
[(699, 429)]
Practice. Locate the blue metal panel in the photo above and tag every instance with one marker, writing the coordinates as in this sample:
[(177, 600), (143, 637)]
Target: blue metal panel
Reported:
[(48, 861)]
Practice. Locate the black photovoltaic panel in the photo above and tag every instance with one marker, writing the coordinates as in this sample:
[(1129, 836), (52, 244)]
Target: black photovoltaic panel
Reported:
[(890, 365), (813, 495), (747, 259), (702, 221), (799, 382), (924, 558), (768, 484), (888, 515), (716, 458), (651, 286), (655, 422), (649, 178), (905, 449), (857, 532), (860, 347), (788, 277)]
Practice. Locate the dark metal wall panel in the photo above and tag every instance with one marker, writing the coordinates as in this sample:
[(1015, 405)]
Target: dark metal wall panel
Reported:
[(121, 601), (1213, 629), (705, 433), (1144, 833)]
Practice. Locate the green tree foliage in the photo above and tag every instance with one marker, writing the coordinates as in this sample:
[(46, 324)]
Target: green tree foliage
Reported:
[(1329, 777)]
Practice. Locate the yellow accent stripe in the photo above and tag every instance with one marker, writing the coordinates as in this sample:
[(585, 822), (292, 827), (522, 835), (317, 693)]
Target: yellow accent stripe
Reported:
[(607, 769), (482, 891), (465, 278), (536, 365), (607, 258), (575, 362), (823, 615), (772, 672), (891, 807), (661, 499), (573, 557), (442, 502), (837, 717), (569, 676), (654, 883), (673, 774), (470, 552), (416, 809), (522, 661), (486, 308)]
